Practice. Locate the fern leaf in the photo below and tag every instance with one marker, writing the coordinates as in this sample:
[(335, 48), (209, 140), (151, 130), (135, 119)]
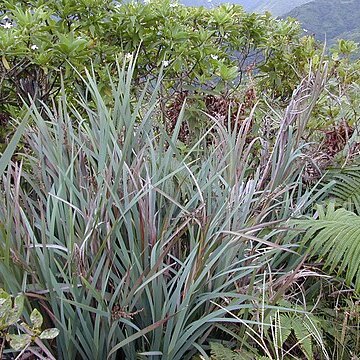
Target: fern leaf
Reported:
[(304, 338), (220, 352), (285, 328), (335, 239), (346, 190)]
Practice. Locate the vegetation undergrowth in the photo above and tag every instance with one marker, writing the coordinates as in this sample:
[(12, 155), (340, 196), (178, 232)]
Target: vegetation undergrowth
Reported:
[(133, 248), (138, 230)]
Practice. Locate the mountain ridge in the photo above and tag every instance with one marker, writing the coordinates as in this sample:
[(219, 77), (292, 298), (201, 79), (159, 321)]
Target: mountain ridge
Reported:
[(276, 7), (329, 20)]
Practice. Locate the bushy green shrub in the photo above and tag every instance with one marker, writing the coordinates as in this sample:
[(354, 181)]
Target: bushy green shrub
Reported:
[(208, 49), (211, 57)]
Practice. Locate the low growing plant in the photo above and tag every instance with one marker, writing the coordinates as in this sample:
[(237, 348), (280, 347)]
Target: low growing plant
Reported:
[(21, 335)]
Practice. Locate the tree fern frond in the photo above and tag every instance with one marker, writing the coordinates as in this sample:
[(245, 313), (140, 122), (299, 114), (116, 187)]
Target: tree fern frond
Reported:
[(334, 238), (346, 190)]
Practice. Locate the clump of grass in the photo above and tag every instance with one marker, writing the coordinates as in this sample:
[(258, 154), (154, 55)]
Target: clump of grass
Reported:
[(132, 247)]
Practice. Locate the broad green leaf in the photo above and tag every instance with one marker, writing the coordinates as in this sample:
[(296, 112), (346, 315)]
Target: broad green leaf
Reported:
[(5, 307), (15, 313), (18, 342), (228, 72), (36, 319), (49, 334)]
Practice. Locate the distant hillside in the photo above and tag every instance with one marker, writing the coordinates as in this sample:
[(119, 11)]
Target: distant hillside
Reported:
[(330, 19), (353, 35), (276, 7), (249, 5)]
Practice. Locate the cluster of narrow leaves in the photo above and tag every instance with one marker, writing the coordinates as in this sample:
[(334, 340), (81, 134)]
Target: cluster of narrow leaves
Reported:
[(135, 248)]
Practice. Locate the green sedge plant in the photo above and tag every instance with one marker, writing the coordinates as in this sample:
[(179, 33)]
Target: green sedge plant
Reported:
[(134, 248)]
